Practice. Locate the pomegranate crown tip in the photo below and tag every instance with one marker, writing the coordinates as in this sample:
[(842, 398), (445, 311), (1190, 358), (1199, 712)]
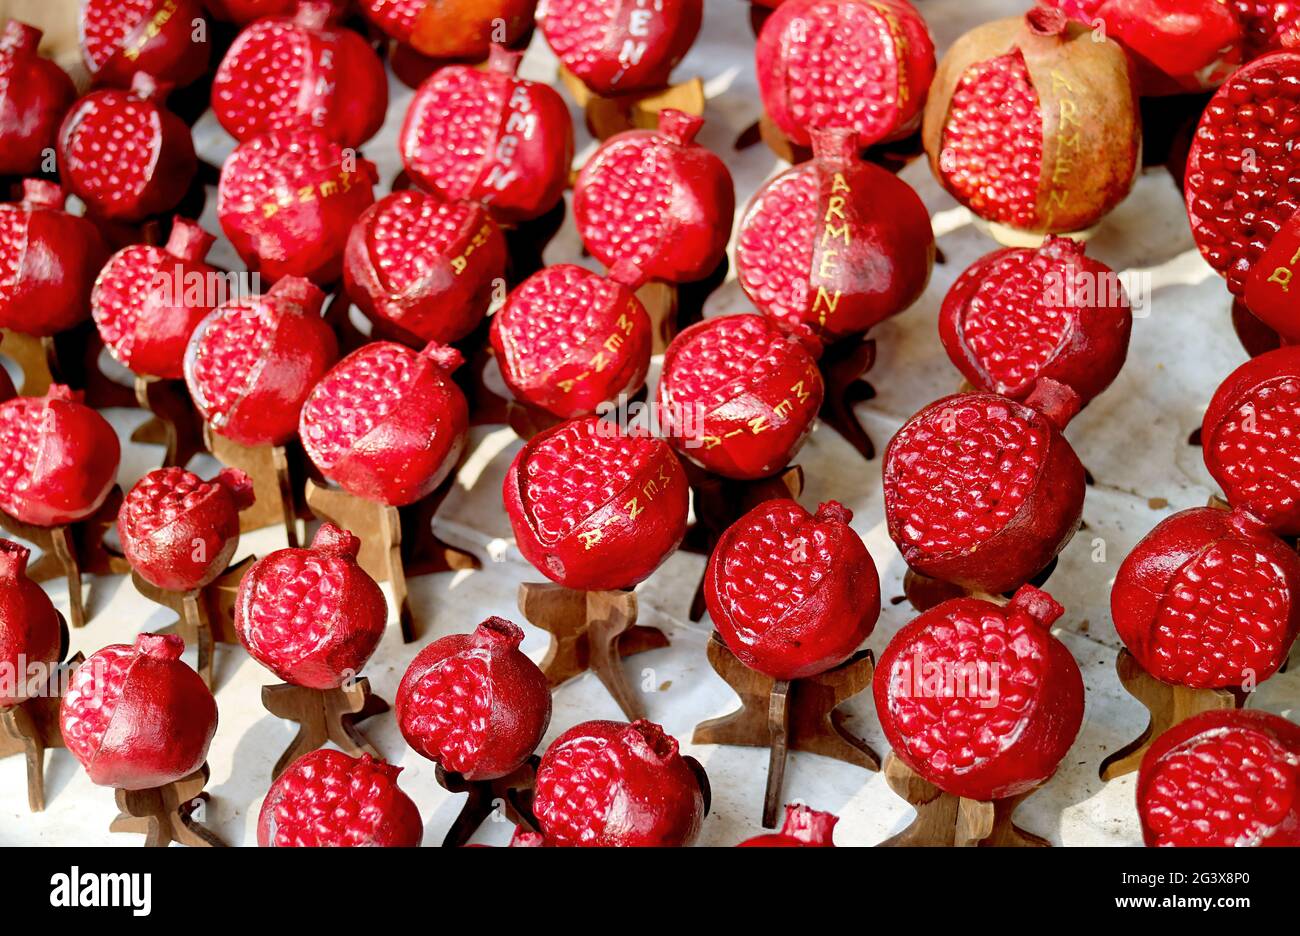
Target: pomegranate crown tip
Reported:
[(651, 741), (301, 291), (802, 334), (627, 272), (811, 826), (835, 511), (149, 88), (314, 14), (63, 394), (188, 240), (160, 646), (523, 838), (504, 61), (380, 765), (1038, 604), (13, 559), (336, 541), (679, 126), (1057, 402), (835, 144), (498, 631), (1046, 21), (22, 36), (239, 485), (43, 192), (445, 356)]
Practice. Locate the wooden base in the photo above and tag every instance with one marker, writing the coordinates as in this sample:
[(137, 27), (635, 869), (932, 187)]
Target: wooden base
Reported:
[(166, 814), (268, 467), (174, 423), (1167, 704), (843, 365), (783, 716), (42, 363), (32, 727), (590, 630), (35, 357), (323, 715), (205, 616), (951, 821), (607, 116), (508, 797)]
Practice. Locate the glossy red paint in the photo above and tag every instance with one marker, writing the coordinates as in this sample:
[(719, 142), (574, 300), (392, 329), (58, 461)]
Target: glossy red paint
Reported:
[(30, 632), (623, 46), (120, 38), (35, 93), (803, 828), (452, 29)]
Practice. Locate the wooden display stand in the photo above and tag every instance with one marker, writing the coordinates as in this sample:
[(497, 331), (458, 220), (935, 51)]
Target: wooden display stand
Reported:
[(165, 814), (32, 727), (39, 359), (205, 616), (789, 715), (843, 366), (383, 530), (607, 116), (674, 307), (36, 357), (268, 467), (509, 796), (1168, 705), (590, 630), (174, 423), (323, 715), (954, 821)]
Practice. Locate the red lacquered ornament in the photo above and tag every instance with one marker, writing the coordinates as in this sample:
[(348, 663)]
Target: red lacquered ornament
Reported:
[(473, 703), (250, 364), (623, 46), (300, 73), (743, 394), (490, 137), (982, 491), (122, 37), (803, 828), (837, 244), (30, 629), (793, 594), (311, 616), (1033, 124), (1222, 779), (35, 93), (1019, 314), (58, 458), (568, 340), (387, 423), (48, 262), (423, 267), (1003, 735), (137, 717), (452, 29), (124, 154), (656, 199), (1208, 599), (288, 200), (607, 783), (144, 305), (594, 509), (328, 799), (860, 65), (180, 532), (1251, 438)]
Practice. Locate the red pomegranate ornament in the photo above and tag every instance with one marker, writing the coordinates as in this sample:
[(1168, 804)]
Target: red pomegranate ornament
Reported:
[(623, 46), (164, 38), (251, 363), (124, 154), (983, 491), (1242, 199), (656, 199), (35, 93), (31, 631), (594, 508), (452, 29), (1019, 314), (300, 73), (144, 302), (1032, 123), (803, 828), (180, 532), (387, 423), (136, 717), (243, 12), (1005, 734), (859, 65), (58, 458), (328, 799), (48, 262), (1207, 600), (607, 784), (288, 199), (836, 244), (311, 616), (473, 703), (1268, 25), (1251, 438), (793, 594), (1222, 779), (743, 394), (490, 137), (568, 340), (423, 267)]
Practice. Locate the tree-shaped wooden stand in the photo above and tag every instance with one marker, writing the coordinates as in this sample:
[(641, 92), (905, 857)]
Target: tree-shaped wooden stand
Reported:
[(954, 821), (843, 366), (789, 715), (32, 727), (1167, 704), (607, 116), (590, 630), (393, 543), (268, 467), (73, 550), (674, 307), (166, 814), (35, 357), (204, 616), (323, 715), (174, 423), (509, 797), (41, 361)]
